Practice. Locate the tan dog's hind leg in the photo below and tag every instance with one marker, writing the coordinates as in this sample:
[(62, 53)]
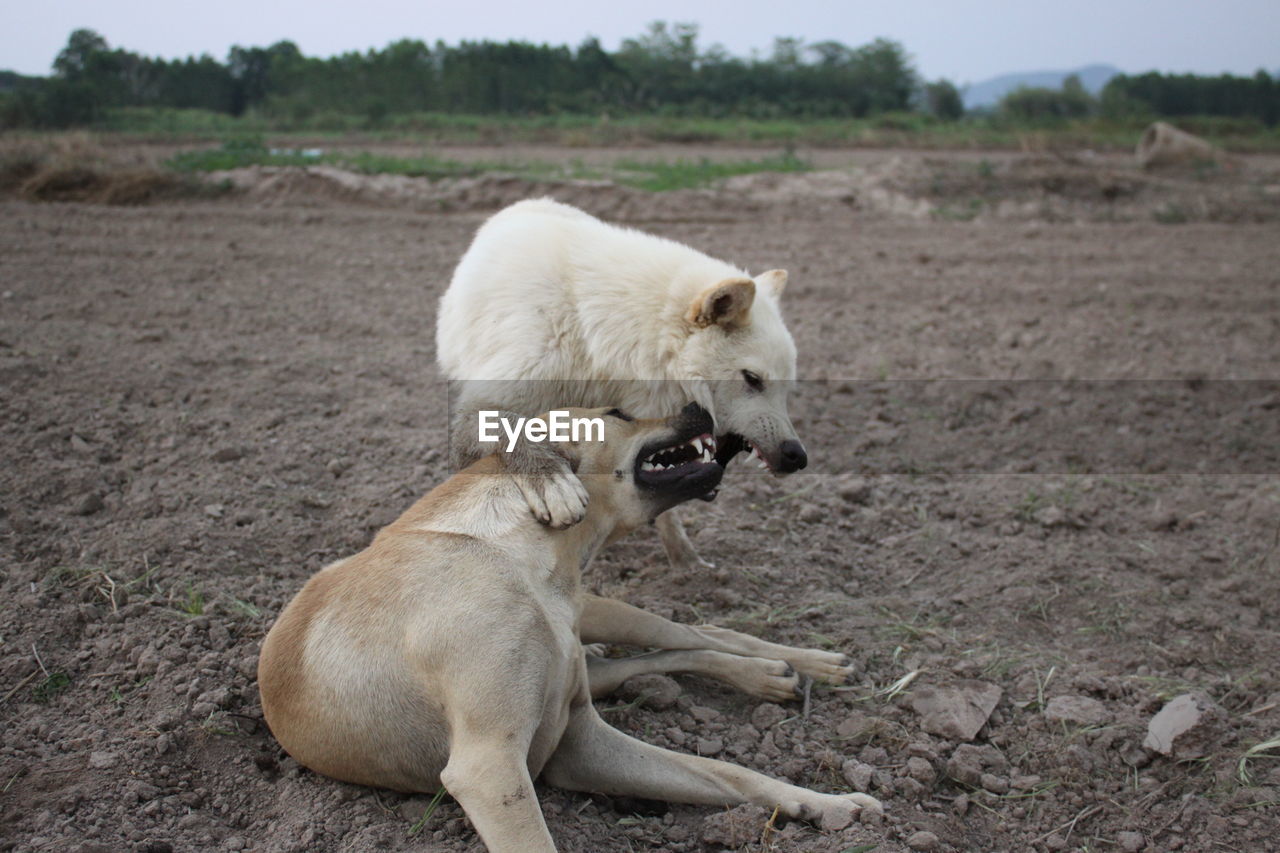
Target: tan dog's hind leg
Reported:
[(680, 551), (605, 620), (775, 680), (592, 756), (491, 782)]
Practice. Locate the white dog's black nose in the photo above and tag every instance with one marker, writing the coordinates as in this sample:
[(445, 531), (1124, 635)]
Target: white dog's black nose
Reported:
[(793, 457)]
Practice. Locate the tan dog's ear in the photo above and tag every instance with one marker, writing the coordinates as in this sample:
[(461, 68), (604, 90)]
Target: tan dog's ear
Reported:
[(774, 281), (726, 304)]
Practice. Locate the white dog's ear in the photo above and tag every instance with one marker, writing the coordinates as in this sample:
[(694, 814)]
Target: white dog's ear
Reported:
[(773, 281), (726, 304)]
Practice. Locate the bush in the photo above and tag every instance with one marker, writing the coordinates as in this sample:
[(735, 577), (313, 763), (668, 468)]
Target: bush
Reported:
[(1037, 105)]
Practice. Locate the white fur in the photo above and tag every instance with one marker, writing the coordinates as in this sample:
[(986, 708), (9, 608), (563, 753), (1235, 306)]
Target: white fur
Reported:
[(548, 292)]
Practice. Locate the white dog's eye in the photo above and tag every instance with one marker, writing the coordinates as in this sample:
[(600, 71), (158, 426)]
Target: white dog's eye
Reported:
[(754, 382)]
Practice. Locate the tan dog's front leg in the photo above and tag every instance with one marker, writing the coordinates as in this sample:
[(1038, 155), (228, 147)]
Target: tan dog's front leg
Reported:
[(605, 620), (775, 680), (592, 756), (492, 784)]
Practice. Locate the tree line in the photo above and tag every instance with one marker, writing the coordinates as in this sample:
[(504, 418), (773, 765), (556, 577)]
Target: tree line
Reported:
[(663, 70)]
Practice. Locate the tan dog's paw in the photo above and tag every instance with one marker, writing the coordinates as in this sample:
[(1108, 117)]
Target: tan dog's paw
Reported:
[(775, 680), (840, 810), (829, 667), (557, 499)]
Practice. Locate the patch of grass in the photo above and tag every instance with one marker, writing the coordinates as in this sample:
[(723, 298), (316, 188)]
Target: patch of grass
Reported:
[(426, 815), (1254, 752), (694, 174), (1164, 688), (915, 628), (888, 130), (961, 211), (244, 608), (1110, 618), (1171, 214), (53, 685), (654, 176), (193, 604), (211, 726)]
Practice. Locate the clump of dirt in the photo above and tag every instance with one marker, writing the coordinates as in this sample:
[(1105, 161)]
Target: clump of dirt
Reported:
[(72, 167), (1031, 187), (80, 183), (1085, 187)]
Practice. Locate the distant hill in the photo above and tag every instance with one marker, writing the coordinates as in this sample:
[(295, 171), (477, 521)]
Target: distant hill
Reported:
[(989, 92)]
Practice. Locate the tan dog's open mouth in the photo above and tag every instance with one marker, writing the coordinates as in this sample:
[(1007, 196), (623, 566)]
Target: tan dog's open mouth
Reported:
[(684, 468)]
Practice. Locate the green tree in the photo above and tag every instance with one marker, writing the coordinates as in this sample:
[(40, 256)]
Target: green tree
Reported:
[(1043, 104), (942, 99)]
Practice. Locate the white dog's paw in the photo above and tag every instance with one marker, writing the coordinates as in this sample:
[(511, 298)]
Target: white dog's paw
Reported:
[(558, 499), (829, 667)]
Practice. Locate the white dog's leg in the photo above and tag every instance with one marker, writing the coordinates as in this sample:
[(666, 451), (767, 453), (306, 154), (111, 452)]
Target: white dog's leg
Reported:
[(592, 756), (680, 551), (775, 680), (605, 620), (555, 495)]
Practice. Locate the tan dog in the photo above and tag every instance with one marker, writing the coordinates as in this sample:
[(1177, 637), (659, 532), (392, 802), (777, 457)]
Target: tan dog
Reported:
[(449, 651)]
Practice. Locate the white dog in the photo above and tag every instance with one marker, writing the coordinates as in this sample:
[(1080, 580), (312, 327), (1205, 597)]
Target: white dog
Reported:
[(551, 307)]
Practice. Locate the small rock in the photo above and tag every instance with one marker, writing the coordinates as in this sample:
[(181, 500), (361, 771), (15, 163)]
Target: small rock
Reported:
[(909, 789), (852, 726), (1050, 516), (922, 771), (969, 763), (1056, 842), (338, 467), (103, 760), (1160, 518), (923, 840), (412, 810), (958, 711), (1183, 726), (768, 715), (736, 827), (993, 783), (710, 745), (813, 514), (855, 490), (1131, 842), (858, 775), (163, 744), (657, 692), (227, 454), (703, 714), (214, 510), (219, 697), (1077, 710), (1024, 783), (88, 505)]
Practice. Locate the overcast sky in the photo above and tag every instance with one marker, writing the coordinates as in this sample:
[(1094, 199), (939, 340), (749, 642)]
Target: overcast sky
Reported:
[(966, 42)]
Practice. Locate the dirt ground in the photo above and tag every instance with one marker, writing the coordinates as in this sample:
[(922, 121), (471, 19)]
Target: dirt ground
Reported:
[(202, 402)]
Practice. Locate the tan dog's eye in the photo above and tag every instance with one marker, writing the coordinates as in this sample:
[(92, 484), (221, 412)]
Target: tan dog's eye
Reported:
[(754, 382), (619, 414)]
